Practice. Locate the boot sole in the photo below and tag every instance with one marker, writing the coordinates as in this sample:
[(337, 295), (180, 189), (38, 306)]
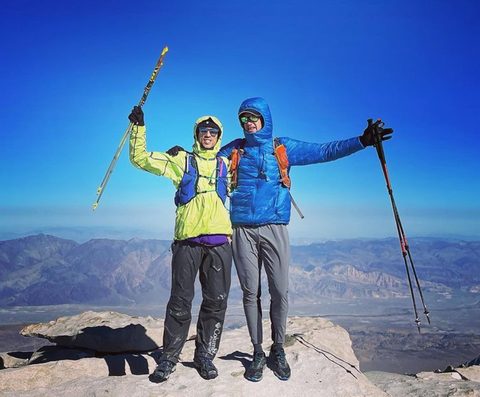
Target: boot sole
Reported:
[(281, 377), (160, 379), (256, 379), (204, 375)]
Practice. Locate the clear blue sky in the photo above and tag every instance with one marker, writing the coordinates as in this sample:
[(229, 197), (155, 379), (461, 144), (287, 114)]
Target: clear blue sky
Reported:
[(72, 70)]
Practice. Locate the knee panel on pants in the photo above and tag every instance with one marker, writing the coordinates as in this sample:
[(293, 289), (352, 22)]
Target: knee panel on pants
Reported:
[(215, 305), (179, 309), (251, 297)]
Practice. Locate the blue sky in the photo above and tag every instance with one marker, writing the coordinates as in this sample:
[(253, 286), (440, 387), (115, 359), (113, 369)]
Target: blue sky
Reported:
[(71, 72)]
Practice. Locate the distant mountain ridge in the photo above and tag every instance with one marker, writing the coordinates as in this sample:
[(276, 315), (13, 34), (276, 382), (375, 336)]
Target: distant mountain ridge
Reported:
[(47, 270)]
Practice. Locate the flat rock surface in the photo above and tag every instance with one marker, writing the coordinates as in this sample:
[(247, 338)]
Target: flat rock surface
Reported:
[(436, 385), (319, 353)]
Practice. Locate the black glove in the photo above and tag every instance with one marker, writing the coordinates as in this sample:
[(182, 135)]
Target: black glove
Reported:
[(174, 150), (375, 131), (136, 117)]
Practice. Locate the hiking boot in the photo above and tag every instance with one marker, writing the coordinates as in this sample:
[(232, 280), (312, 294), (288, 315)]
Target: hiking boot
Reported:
[(281, 369), (162, 372), (254, 373), (205, 368)]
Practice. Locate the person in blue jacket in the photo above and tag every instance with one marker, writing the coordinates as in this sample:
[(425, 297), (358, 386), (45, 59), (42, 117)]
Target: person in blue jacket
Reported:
[(260, 212)]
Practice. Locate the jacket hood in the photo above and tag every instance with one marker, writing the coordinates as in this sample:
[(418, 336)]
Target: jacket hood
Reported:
[(258, 105), (198, 148)]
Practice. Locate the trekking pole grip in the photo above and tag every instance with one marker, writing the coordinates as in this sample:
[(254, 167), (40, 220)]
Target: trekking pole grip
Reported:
[(378, 139)]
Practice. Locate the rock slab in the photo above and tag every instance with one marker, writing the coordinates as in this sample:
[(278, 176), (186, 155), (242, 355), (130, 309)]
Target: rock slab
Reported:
[(424, 384), (319, 352), (107, 332)]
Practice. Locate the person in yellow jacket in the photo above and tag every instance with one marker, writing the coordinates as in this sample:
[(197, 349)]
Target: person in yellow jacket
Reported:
[(201, 241)]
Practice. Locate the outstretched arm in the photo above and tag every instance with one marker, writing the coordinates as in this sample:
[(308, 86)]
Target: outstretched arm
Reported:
[(303, 153)]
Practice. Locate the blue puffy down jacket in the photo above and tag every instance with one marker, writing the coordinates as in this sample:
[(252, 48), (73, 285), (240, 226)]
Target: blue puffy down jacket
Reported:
[(260, 198)]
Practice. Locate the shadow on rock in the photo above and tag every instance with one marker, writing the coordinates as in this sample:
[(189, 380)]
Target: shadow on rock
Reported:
[(117, 365), (14, 359), (244, 358), (57, 353), (132, 338)]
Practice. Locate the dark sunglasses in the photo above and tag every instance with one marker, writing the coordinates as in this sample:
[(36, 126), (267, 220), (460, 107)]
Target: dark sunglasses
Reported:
[(204, 130), (246, 119)]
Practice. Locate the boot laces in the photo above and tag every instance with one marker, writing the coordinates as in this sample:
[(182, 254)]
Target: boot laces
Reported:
[(257, 360), (281, 357)]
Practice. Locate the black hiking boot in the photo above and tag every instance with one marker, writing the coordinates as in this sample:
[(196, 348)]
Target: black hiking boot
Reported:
[(281, 369), (205, 368), (162, 372), (254, 373)]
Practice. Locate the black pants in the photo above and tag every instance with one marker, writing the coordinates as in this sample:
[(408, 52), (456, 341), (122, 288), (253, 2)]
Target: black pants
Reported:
[(215, 266)]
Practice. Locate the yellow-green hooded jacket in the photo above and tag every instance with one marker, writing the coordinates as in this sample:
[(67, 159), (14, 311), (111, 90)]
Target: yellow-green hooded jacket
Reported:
[(203, 215)]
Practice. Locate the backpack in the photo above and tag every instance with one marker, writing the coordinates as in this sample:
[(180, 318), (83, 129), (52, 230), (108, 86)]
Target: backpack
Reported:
[(280, 153)]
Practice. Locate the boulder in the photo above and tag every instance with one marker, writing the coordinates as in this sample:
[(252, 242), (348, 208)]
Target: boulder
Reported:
[(471, 373), (106, 332)]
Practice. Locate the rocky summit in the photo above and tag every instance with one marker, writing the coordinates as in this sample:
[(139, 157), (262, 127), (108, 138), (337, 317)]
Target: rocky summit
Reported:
[(319, 352), (104, 354)]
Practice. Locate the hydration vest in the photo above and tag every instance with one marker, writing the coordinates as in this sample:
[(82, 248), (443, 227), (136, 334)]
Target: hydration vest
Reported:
[(188, 187), (280, 153)]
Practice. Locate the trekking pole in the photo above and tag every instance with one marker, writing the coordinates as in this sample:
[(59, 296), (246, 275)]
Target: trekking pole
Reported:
[(401, 233), (114, 161)]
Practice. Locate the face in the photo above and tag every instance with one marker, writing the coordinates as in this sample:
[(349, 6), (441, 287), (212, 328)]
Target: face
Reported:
[(251, 123), (208, 137)]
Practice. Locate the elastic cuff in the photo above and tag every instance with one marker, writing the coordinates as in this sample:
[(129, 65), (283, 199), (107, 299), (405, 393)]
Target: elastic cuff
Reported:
[(257, 348), (362, 142), (277, 346)]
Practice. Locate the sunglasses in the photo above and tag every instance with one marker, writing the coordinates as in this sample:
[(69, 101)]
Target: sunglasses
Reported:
[(246, 119), (204, 130)]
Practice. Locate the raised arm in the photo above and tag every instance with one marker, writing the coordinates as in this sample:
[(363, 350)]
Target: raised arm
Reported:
[(157, 163)]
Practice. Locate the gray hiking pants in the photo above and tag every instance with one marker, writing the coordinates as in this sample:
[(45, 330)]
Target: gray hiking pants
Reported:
[(268, 245), (214, 265)]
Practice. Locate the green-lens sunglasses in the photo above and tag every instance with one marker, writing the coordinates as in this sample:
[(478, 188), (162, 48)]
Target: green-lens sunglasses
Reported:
[(246, 119)]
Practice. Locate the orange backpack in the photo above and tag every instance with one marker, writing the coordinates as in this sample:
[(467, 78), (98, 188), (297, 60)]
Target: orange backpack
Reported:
[(280, 152)]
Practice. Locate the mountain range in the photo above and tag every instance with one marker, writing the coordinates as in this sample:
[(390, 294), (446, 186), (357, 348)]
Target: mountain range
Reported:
[(47, 270)]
